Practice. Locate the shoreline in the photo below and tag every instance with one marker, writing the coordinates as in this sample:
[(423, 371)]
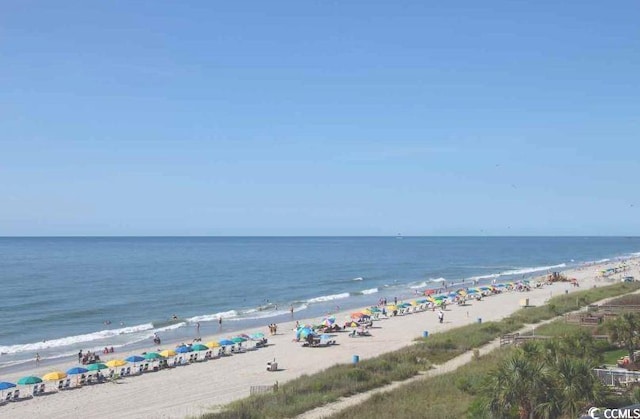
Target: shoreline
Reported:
[(229, 378)]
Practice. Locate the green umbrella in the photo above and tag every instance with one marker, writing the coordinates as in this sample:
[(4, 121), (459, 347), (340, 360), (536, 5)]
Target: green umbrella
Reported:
[(199, 347), (97, 367), (238, 339), (153, 355), (29, 380)]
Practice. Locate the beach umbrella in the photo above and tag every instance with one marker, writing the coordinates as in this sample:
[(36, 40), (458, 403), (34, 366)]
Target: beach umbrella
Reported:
[(115, 363), (213, 344), (258, 335), (54, 376), (429, 292), (96, 367), (77, 370), (200, 347), (135, 358), (225, 342), (238, 339), (168, 352), (30, 379), (244, 335), (4, 385), (152, 355), (375, 310), (183, 349)]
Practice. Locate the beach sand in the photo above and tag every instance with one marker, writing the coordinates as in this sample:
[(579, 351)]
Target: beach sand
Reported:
[(197, 388)]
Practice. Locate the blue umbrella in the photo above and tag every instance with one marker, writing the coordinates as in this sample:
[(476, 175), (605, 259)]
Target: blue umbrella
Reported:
[(258, 335), (183, 349), (77, 370), (226, 342), (5, 385), (135, 358)]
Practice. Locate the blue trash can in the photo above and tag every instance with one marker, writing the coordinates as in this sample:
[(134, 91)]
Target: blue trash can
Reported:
[(356, 359), (479, 319), (425, 334)]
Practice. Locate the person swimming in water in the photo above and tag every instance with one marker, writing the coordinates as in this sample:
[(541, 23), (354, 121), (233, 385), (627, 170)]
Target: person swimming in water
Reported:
[(174, 317)]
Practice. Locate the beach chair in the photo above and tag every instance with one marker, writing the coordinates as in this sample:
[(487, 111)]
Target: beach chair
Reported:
[(60, 384), (90, 379), (83, 380), (140, 369), (16, 396), (112, 374), (35, 391), (9, 396), (195, 357), (128, 371), (67, 384), (146, 366)]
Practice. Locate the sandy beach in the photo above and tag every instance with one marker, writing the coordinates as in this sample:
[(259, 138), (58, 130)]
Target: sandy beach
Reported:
[(197, 388)]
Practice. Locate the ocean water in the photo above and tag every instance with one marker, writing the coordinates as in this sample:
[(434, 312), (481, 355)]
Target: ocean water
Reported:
[(59, 295)]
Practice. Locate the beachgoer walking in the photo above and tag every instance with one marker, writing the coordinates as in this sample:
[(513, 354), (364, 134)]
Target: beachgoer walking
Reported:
[(220, 321), (440, 316), (291, 310), (37, 359), (395, 301), (198, 328)]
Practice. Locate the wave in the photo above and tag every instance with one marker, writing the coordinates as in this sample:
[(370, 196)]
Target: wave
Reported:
[(329, 297), (369, 291), (422, 284), (73, 340), (441, 279), (358, 279), (519, 271), (213, 317)]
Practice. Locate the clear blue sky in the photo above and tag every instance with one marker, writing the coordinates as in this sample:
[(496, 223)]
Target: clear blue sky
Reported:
[(319, 117)]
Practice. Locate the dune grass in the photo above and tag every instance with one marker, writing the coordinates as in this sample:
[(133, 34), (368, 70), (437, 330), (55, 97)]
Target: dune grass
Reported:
[(308, 392)]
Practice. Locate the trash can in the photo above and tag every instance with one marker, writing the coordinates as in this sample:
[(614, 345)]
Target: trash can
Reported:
[(479, 319), (356, 359), (425, 334)]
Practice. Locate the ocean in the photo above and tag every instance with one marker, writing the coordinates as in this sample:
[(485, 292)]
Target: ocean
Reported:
[(60, 295)]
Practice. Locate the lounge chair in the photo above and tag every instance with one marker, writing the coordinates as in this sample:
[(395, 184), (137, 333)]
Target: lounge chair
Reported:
[(67, 384), (60, 384), (112, 374), (9, 396), (128, 372), (90, 379), (83, 379), (16, 395), (35, 391)]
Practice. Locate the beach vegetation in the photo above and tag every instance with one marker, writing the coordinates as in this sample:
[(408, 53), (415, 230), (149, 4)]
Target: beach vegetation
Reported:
[(624, 330)]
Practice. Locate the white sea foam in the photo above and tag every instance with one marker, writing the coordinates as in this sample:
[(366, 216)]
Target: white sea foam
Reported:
[(358, 279), (441, 279), (170, 327), (73, 340), (422, 284), (370, 291), (328, 297), (213, 317), (519, 271)]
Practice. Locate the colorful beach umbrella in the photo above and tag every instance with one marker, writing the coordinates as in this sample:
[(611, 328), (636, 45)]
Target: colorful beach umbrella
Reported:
[(135, 358), (54, 376), (4, 385), (30, 379), (168, 353), (238, 339), (213, 344), (200, 347), (115, 363), (97, 366), (258, 335), (225, 342), (152, 355), (183, 349), (77, 370)]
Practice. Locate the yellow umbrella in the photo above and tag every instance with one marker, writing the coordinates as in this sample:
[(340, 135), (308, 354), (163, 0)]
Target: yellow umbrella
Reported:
[(115, 363), (414, 303), (213, 344), (54, 376), (366, 311), (168, 352)]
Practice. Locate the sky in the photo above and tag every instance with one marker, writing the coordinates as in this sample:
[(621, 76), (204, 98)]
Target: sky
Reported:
[(319, 117)]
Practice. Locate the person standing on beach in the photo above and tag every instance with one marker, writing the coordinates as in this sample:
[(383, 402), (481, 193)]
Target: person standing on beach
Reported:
[(37, 359), (440, 316), (198, 328), (291, 311), (220, 321)]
